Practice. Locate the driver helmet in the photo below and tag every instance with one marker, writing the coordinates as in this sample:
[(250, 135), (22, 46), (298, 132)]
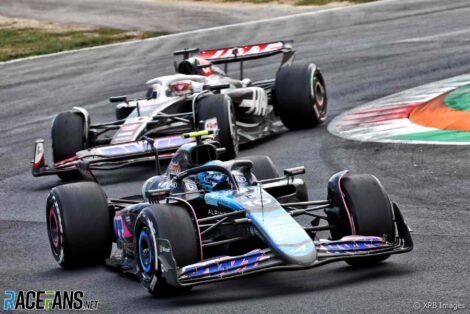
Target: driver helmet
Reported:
[(212, 180), (180, 88)]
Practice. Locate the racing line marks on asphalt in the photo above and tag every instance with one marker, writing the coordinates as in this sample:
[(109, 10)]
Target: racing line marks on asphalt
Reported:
[(433, 37), (196, 31)]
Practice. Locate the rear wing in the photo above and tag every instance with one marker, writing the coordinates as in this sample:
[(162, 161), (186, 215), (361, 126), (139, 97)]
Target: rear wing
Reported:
[(250, 52), (241, 54)]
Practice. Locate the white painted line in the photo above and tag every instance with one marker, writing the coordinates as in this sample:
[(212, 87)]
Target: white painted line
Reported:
[(434, 37), (163, 37)]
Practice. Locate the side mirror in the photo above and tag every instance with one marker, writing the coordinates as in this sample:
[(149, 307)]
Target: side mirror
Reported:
[(118, 99), (294, 171)]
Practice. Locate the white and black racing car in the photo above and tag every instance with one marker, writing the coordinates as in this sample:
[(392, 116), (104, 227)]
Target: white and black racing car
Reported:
[(199, 96)]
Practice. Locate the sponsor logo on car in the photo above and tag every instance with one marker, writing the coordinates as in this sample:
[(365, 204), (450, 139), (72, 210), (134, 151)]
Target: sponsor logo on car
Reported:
[(162, 248), (241, 51)]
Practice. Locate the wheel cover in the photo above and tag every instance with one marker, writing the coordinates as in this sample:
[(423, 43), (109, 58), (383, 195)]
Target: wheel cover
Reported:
[(54, 230), (318, 95), (145, 251)]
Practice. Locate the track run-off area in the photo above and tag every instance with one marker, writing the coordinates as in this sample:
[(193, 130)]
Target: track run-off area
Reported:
[(436, 113), (365, 52)]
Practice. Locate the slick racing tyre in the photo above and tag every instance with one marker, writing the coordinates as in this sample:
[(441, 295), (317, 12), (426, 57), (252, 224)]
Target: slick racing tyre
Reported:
[(301, 99), (79, 224), (263, 167), (68, 137), (371, 211), (174, 223), (218, 110)]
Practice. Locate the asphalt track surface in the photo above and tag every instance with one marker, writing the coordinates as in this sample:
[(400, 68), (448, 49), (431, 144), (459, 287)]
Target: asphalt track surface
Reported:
[(145, 15), (365, 52)]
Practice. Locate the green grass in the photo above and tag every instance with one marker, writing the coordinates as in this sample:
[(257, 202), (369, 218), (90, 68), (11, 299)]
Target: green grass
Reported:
[(321, 2), (20, 43), (251, 1), (303, 2)]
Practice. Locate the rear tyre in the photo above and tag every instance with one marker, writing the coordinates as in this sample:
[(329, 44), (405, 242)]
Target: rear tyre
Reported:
[(79, 224), (301, 98), (263, 167), (174, 223), (220, 107), (68, 137), (371, 211)]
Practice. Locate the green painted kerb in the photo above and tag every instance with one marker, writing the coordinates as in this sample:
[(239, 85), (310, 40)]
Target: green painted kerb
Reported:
[(435, 136), (459, 99)]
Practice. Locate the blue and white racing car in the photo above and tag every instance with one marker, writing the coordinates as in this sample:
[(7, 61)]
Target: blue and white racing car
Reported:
[(205, 220)]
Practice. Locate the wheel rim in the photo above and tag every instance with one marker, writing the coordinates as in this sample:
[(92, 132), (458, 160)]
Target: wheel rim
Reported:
[(54, 230), (145, 251), (318, 95)]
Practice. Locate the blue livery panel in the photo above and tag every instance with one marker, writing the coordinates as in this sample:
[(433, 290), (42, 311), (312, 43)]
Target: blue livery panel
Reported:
[(284, 235)]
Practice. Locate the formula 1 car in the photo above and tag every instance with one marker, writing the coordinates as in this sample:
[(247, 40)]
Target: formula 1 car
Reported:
[(199, 96), (206, 220)]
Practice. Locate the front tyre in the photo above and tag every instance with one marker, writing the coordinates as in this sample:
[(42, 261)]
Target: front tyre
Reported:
[(68, 137), (301, 98), (371, 212), (174, 223), (79, 224), (263, 167)]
